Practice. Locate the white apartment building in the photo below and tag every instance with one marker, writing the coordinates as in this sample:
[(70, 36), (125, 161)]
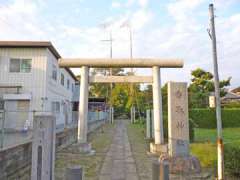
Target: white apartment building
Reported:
[(31, 80)]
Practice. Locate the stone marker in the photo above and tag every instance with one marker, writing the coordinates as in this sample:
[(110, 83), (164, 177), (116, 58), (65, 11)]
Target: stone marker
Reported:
[(178, 126), (74, 173), (180, 161), (43, 147)]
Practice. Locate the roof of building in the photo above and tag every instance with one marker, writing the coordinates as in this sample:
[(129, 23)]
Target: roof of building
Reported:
[(35, 44), (235, 90), (231, 95)]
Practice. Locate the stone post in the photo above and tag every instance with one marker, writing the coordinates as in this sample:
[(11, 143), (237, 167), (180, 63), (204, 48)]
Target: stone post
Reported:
[(43, 147), (131, 113), (157, 106), (112, 115), (83, 106), (152, 124), (180, 161), (148, 124), (134, 114), (178, 126), (160, 170)]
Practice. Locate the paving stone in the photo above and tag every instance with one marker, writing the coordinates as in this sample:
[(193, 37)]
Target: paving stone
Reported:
[(131, 176), (119, 163), (131, 168), (105, 177)]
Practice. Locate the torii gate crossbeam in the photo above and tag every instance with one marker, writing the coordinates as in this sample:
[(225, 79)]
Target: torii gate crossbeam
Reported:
[(121, 62), (153, 63)]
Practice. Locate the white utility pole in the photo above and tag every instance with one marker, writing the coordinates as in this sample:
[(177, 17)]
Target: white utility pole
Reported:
[(131, 46), (131, 56), (128, 26), (110, 40), (220, 150)]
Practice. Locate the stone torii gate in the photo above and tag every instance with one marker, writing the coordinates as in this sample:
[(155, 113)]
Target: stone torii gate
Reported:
[(155, 79)]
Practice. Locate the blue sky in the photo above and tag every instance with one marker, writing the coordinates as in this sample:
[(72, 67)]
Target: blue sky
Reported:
[(161, 28)]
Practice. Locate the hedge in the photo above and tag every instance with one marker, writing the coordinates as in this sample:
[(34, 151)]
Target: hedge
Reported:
[(232, 159), (206, 118)]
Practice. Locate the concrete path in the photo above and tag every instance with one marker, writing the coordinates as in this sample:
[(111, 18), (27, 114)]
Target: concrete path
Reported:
[(119, 163)]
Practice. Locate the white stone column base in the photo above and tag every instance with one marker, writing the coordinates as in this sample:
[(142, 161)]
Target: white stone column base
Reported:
[(83, 147), (158, 148)]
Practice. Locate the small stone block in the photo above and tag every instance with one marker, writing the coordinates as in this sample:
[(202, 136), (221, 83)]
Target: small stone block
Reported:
[(158, 148), (182, 164), (74, 173), (84, 147)]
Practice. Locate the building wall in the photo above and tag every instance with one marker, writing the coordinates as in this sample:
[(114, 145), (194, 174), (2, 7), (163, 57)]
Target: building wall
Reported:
[(39, 83), (33, 82), (57, 92), (15, 162)]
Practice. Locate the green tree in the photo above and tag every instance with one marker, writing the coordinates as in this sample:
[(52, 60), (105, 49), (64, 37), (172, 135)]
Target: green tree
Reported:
[(103, 89), (119, 98), (202, 84)]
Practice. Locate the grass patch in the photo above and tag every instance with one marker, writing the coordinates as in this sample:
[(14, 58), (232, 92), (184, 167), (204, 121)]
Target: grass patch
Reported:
[(101, 140), (205, 148), (206, 153), (139, 146), (230, 135)]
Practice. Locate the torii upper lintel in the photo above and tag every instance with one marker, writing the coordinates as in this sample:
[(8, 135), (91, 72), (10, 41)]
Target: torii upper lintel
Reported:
[(120, 62)]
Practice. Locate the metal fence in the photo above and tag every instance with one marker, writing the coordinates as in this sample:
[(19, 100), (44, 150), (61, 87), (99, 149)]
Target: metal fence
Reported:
[(16, 126)]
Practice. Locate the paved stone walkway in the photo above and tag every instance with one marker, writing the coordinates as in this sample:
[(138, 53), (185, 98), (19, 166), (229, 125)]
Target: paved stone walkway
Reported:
[(119, 163)]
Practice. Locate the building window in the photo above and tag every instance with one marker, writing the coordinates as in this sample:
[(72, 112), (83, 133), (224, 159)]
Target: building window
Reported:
[(72, 87), (20, 65), (1, 104), (14, 65), (62, 79), (68, 84), (56, 107), (54, 72)]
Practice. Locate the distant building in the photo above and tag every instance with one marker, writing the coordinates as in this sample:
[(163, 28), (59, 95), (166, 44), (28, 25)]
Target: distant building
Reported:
[(236, 91), (94, 103), (31, 80), (230, 97)]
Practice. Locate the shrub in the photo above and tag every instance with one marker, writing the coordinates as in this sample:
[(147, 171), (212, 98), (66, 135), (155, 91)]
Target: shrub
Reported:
[(232, 159), (206, 118), (232, 105)]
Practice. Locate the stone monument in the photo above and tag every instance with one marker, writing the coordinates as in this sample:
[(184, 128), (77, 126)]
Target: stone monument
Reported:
[(43, 147), (180, 160), (178, 126)]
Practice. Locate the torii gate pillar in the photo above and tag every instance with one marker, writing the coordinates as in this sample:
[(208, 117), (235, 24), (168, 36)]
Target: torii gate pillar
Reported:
[(83, 106), (157, 106)]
